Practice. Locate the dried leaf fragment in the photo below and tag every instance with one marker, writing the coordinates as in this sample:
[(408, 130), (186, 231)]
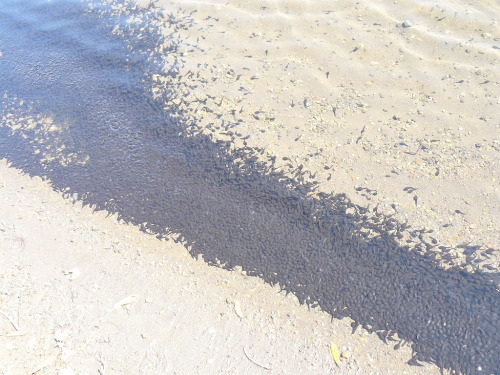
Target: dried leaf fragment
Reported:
[(126, 301), (17, 333), (44, 364), (335, 353), (237, 309)]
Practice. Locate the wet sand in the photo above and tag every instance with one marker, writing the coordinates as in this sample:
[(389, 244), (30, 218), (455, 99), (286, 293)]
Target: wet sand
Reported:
[(382, 106)]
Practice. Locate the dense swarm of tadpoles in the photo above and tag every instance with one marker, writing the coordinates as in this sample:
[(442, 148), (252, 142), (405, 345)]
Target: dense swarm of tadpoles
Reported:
[(235, 209)]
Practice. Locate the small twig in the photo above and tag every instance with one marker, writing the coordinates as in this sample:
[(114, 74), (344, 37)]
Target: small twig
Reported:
[(255, 363), (103, 365), (10, 320), (413, 152)]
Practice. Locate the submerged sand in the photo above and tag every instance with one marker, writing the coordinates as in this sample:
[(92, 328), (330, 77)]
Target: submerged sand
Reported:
[(383, 96), (363, 101)]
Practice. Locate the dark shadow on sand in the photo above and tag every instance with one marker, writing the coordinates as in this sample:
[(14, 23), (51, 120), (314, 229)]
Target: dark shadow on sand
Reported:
[(112, 144)]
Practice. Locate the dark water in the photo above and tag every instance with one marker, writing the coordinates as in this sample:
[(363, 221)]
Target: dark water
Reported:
[(116, 147)]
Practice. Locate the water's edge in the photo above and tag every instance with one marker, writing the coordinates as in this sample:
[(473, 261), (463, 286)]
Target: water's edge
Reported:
[(77, 111)]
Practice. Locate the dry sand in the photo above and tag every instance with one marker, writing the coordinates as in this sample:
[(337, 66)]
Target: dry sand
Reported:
[(400, 106)]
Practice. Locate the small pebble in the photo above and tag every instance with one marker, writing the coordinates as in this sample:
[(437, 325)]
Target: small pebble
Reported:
[(346, 354)]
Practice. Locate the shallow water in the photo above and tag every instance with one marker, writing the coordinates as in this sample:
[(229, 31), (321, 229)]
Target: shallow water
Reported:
[(77, 110)]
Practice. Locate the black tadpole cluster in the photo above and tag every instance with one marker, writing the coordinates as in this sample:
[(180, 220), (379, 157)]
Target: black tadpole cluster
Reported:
[(120, 151)]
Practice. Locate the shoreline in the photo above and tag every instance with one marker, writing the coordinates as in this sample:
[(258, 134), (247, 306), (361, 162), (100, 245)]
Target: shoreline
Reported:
[(362, 110), (369, 116), (89, 294)]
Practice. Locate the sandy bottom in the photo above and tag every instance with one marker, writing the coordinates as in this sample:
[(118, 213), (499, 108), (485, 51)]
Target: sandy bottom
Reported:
[(361, 100), (347, 90)]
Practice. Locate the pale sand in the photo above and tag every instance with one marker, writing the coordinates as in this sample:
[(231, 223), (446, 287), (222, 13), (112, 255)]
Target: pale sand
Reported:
[(403, 84)]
